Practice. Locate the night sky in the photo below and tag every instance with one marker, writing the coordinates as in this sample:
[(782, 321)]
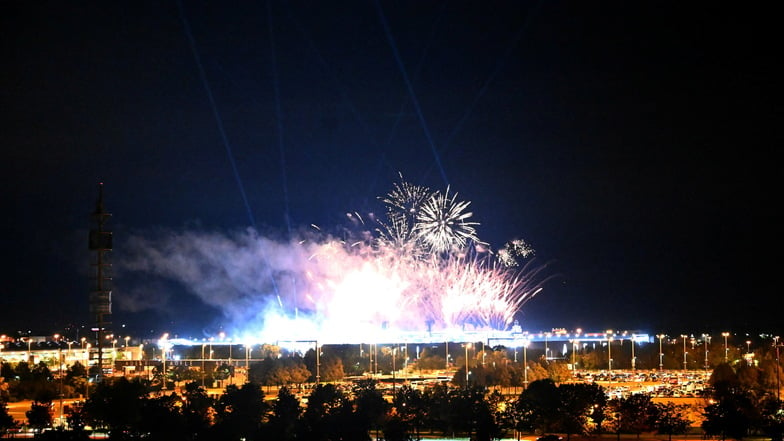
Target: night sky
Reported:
[(632, 144)]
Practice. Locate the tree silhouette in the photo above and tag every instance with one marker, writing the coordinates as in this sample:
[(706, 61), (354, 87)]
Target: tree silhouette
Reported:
[(7, 421), (286, 411), (40, 415), (117, 405), (321, 416), (240, 411), (671, 419)]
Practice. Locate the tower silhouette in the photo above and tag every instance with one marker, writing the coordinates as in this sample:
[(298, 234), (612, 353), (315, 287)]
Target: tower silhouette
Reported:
[(100, 301)]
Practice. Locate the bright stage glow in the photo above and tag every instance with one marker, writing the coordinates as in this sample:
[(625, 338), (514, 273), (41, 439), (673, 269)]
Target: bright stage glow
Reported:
[(420, 271)]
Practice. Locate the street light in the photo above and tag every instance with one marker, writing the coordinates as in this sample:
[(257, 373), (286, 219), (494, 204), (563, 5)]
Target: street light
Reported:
[(318, 363), (163, 357), (248, 348), (748, 346), (525, 364), (609, 352), (684, 336), (202, 364), (778, 377), (706, 339), (546, 348), (574, 349), (725, 335), (467, 345), (392, 349), (661, 354), (634, 359)]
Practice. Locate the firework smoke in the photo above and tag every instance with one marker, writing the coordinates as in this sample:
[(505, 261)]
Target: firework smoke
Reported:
[(421, 273)]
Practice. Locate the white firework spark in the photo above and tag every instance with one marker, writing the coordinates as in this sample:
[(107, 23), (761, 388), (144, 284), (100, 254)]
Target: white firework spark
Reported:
[(406, 198), (513, 250), (442, 223)]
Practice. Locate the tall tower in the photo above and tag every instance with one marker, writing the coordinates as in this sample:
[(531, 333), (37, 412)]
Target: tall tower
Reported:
[(100, 244)]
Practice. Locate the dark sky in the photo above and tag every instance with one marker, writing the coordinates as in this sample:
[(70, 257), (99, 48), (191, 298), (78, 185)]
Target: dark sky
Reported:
[(632, 144)]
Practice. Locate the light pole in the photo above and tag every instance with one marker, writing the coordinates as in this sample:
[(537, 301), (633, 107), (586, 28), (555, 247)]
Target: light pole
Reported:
[(748, 346), (525, 364), (634, 359), (706, 339), (248, 348), (318, 363), (609, 352), (163, 357), (778, 377), (447, 354), (393, 370), (60, 375), (574, 349), (725, 335), (202, 364), (546, 347), (684, 337), (370, 359), (661, 354), (467, 345)]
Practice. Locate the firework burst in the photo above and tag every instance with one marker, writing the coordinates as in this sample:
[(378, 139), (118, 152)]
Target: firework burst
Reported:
[(419, 271), (442, 223)]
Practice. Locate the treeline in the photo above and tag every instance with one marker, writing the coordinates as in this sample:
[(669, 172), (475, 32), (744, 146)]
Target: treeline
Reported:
[(125, 409), (743, 401)]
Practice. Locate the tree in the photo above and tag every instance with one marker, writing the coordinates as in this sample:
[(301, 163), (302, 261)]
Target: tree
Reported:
[(577, 400), (731, 415), (772, 418), (472, 413), (162, 419), (538, 407), (370, 405), (7, 421), (671, 419), (558, 371), (286, 411), (436, 400), (76, 417), (117, 405), (321, 413), (733, 411), (197, 409), (240, 411), (634, 414), (331, 368), (40, 415), (410, 410)]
